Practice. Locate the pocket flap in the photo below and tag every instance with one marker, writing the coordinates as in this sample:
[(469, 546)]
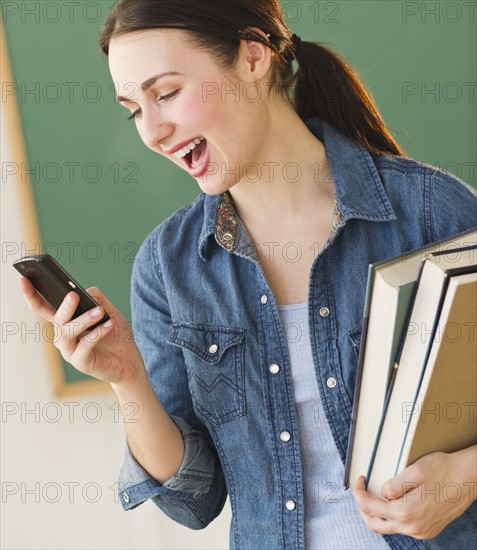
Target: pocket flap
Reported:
[(209, 342)]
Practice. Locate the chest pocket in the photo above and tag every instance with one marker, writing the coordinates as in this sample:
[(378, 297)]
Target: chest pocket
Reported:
[(215, 364)]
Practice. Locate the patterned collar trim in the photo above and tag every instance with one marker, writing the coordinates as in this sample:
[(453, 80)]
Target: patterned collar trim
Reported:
[(226, 222), (338, 219)]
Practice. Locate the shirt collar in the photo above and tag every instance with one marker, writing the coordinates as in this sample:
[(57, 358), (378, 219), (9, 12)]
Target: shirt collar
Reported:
[(358, 188)]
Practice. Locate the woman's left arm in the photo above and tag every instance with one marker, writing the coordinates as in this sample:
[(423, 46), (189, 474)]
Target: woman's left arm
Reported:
[(424, 498)]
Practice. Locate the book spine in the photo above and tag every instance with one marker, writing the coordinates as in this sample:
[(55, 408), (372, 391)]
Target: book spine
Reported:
[(359, 374)]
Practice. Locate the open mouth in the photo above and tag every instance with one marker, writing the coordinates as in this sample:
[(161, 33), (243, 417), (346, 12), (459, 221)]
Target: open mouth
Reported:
[(194, 158), (188, 159)]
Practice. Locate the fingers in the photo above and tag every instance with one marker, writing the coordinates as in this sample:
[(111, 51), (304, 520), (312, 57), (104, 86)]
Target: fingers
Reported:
[(97, 295), (67, 308), (367, 503), (82, 353), (381, 516), (359, 487), (381, 525), (68, 330), (74, 338), (374, 510)]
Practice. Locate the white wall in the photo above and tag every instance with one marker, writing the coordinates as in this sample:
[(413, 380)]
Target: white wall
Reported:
[(59, 465)]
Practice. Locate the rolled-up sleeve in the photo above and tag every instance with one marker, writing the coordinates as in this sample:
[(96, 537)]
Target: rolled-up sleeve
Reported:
[(196, 494)]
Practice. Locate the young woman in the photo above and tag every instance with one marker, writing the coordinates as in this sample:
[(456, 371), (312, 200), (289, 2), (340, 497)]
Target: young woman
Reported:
[(247, 304)]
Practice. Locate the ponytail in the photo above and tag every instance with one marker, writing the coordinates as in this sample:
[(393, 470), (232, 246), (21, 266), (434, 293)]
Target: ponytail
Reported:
[(326, 86)]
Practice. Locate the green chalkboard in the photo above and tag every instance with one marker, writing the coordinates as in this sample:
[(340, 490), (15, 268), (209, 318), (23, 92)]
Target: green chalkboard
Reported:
[(99, 191)]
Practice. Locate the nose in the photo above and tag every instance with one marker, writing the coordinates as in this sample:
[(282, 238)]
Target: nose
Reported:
[(154, 129)]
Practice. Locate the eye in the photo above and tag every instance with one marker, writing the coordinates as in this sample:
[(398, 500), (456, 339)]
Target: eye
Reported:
[(168, 97), (135, 114)]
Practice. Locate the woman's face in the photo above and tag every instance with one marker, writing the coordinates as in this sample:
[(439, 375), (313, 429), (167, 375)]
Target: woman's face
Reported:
[(193, 100)]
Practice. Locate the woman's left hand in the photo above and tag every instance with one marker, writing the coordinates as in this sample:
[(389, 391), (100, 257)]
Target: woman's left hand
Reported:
[(424, 498)]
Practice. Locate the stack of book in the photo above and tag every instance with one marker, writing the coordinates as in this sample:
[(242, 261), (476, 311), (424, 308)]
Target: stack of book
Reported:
[(416, 384)]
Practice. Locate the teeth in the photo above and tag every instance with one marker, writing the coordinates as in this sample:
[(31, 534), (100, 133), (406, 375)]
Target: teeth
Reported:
[(188, 148)]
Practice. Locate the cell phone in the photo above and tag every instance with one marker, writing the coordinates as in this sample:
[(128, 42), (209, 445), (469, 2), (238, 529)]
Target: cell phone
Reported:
[(53, 282)]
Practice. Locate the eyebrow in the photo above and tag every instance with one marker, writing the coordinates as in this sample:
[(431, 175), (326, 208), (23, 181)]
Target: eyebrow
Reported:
[(148, 83)]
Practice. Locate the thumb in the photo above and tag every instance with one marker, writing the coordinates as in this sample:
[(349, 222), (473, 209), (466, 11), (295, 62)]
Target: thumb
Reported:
[(399, 485)]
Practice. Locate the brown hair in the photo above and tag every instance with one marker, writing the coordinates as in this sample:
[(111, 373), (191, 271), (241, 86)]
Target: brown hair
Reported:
[(324, 85)]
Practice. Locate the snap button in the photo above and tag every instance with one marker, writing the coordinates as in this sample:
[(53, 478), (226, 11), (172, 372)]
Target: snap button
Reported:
[(227, 236), (285, 436), (214, 348), (290, 504), (274, 368), (126, 497), (331, 382), (264, 299), (324, 311)]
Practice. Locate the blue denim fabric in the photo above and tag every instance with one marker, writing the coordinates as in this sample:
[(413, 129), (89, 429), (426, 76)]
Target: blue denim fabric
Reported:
[(197, 282)]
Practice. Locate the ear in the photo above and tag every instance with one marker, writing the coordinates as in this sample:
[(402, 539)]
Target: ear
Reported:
[(255, 57)]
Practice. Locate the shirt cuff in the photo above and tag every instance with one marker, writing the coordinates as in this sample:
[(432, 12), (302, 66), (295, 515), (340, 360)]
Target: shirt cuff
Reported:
[(193, 479)]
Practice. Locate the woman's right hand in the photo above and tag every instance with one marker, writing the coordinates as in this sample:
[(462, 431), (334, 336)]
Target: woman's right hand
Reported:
[(107, 352)]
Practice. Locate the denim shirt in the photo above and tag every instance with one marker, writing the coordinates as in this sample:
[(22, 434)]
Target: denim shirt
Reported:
[(207, 325)]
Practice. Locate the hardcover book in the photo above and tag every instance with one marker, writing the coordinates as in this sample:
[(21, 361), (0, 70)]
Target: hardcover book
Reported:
[(390, 289)]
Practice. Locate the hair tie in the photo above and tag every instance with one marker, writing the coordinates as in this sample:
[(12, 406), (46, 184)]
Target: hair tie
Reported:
[(295, 48), (296, 44)]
